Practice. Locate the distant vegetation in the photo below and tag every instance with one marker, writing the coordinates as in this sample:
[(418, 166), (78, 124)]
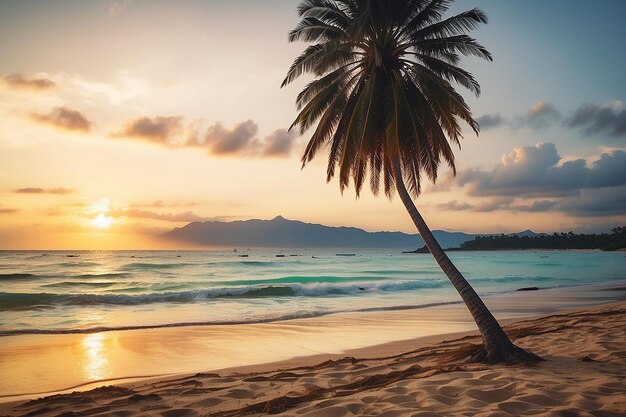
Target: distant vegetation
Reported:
[(605, 241)]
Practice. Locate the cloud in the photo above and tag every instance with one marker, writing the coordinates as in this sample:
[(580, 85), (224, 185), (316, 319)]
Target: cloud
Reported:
[(594, 119), (238, 140), (538, 171), (616, 105), (597, 203), (124, 87), (539, 116), (541, 108), (608, 171), (279, 143), (37, 190), (528, 170), (591, 119), (454, 206), (528, 207), (590, 203), (186, 217), (23, 81), (162, 204), (500, 203), (242, 140), (8, 210), (222, 141), (497, 203), (159, 129), (536, 179), (64, 118), (535, 206), (489, 121), (118, 6)]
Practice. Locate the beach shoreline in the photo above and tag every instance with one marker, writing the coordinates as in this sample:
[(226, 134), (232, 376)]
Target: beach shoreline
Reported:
[(584, 346), (388, 333)]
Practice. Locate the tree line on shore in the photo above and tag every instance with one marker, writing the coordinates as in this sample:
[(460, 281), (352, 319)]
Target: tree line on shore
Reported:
[(604, 241)]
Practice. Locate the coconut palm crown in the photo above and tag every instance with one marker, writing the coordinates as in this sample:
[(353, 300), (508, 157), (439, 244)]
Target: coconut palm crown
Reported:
[(383, 89), (385, 105)]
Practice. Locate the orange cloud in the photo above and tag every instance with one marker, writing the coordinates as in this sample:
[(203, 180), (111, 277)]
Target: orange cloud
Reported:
[(162, 204), (159, 129), (22, 81), (238, 140), (279, 143), (223, 141), (170, 217), (64, 118), (37, 190), (8, 210)]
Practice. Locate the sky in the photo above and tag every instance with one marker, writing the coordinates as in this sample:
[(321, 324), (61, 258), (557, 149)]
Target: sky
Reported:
[(120, 120)]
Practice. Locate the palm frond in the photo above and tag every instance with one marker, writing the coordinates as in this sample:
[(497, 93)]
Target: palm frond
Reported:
[(429, 12), (311, 29), (450, 72), (455, 25), (462, 44), (326, 11), (383, 89)]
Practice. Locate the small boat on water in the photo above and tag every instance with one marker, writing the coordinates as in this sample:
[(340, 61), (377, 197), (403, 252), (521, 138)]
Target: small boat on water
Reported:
[(345, 254), (73, 256), (243, 256), (280, 256)]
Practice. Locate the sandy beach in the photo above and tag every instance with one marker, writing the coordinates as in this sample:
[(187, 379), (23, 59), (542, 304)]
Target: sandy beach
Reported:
[(584, 375), (312, 208)]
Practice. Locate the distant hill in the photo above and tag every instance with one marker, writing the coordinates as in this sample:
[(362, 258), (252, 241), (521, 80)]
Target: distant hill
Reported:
[(282, 233)]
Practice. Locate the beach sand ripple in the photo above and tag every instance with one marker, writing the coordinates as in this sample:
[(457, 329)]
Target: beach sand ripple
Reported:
[(584, 375)]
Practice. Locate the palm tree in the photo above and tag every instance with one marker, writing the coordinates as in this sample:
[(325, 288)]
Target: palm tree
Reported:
[(383, 101)]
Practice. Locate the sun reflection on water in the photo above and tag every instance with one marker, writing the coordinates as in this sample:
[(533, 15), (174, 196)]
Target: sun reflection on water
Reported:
[(96, 361)]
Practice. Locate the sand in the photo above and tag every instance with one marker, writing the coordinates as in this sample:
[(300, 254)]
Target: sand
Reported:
[(44, 364), (584, 375)]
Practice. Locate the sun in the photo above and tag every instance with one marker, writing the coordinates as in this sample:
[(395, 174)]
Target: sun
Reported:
[(102, 221), (101, 207)]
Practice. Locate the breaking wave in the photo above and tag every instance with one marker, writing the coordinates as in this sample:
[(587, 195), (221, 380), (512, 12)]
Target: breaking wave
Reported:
[(14, 301)]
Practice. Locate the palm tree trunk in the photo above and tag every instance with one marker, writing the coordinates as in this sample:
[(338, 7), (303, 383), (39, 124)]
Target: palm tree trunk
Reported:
[(496, 345)]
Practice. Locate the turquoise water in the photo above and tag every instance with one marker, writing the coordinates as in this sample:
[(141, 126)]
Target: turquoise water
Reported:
[(53, 292)]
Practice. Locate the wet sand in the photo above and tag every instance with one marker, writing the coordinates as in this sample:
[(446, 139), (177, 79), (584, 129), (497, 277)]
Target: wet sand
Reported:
[(287, 360), (584, 375)]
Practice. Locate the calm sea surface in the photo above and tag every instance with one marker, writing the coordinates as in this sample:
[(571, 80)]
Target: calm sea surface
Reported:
[(52, 292)]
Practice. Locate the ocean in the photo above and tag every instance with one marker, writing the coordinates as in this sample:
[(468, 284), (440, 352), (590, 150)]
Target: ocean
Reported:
[(86, 291)]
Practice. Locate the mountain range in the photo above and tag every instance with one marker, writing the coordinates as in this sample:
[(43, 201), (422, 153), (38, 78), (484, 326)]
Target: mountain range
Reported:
[(282, 233)]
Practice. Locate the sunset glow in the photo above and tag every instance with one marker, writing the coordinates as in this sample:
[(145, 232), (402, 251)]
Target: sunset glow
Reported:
[(312, 208), (102, 221), (175, 123), (95, 356)]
